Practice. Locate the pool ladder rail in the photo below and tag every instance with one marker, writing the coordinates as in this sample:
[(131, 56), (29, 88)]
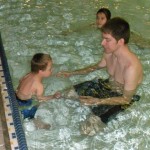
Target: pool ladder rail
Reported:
[(7, 140), (12, 136)]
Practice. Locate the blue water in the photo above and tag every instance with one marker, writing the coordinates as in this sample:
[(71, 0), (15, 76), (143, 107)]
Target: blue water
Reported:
[(62, 29)]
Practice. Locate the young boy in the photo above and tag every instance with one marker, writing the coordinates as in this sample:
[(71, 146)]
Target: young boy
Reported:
[(31, 85)]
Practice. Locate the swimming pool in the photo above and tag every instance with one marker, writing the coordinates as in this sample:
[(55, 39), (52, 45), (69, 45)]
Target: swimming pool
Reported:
[(62, 29)]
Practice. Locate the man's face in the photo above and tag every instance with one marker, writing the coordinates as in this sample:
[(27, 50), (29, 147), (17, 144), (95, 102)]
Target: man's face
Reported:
[(109, 43)]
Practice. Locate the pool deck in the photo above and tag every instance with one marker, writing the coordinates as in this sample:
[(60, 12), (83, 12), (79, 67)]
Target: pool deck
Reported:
[(2, 119), (4, 135), (2, 143), (8, 139)]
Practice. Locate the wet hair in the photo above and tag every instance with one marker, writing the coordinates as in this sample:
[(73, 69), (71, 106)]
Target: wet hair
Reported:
[(118, 28), (105, 11), (39, 62)]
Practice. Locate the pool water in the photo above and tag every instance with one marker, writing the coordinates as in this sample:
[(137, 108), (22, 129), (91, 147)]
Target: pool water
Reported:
[(62, 29)]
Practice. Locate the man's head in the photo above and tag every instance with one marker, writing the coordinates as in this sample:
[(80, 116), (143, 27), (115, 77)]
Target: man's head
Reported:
[(102, 16), (118, 28), (41, 62)]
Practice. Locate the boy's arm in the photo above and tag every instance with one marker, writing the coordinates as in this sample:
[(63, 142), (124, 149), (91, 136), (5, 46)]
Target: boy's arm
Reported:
[(49, 97), (41, 97)]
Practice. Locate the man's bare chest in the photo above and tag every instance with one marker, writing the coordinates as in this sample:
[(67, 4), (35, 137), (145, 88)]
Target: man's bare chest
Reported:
[(116, 70)]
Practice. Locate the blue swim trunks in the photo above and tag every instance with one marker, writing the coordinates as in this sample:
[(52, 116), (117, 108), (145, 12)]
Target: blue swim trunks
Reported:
[(27, 107)]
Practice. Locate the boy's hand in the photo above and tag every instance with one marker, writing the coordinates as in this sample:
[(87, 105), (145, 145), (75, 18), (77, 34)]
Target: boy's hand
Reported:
[(57, 95), (63, 74)]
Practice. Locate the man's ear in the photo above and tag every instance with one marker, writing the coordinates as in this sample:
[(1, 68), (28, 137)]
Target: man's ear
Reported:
[(121, 41)]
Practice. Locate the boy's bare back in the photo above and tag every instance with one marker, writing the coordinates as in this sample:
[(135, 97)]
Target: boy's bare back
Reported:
[(28, 87), (31, 84)]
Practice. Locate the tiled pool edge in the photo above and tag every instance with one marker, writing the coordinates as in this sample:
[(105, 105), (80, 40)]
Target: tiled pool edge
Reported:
[(4, 135), (15, 129)]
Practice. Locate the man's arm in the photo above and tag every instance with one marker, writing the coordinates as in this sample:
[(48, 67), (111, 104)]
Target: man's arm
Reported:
[(131, 78), (97, 66), (121, 100), (86, 70), (78, 72)]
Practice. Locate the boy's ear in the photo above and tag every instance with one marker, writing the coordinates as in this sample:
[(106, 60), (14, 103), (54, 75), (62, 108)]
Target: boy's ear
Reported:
[(40, 71)]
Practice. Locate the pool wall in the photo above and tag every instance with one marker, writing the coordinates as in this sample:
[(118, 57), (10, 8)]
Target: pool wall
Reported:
[(10, 113)]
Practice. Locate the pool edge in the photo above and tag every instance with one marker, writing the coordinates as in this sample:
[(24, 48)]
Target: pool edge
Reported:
[(14, 125)]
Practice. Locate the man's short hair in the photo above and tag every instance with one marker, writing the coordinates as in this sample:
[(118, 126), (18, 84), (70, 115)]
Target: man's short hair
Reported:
[(118, 28)]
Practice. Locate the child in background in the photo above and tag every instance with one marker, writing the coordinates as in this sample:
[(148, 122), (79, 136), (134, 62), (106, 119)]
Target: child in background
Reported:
[(31, 86), (102, 16)]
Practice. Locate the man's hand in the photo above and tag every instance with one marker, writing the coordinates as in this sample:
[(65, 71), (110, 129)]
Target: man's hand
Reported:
[(63, 74), (88, 100)]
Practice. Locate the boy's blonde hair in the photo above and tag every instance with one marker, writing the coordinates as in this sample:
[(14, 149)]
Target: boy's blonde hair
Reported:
[(39, 62)]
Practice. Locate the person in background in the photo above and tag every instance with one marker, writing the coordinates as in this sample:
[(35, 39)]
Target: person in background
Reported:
[(102, 16)]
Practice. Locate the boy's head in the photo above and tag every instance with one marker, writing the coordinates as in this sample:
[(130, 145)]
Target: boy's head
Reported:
[(102, 16), (118, 28), (41, 62)]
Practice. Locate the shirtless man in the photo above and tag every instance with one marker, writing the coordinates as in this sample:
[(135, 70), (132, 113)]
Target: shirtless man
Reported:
[(123, 66)]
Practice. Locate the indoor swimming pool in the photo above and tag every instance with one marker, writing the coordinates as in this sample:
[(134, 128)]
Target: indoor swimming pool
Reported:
[(62, 28)]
